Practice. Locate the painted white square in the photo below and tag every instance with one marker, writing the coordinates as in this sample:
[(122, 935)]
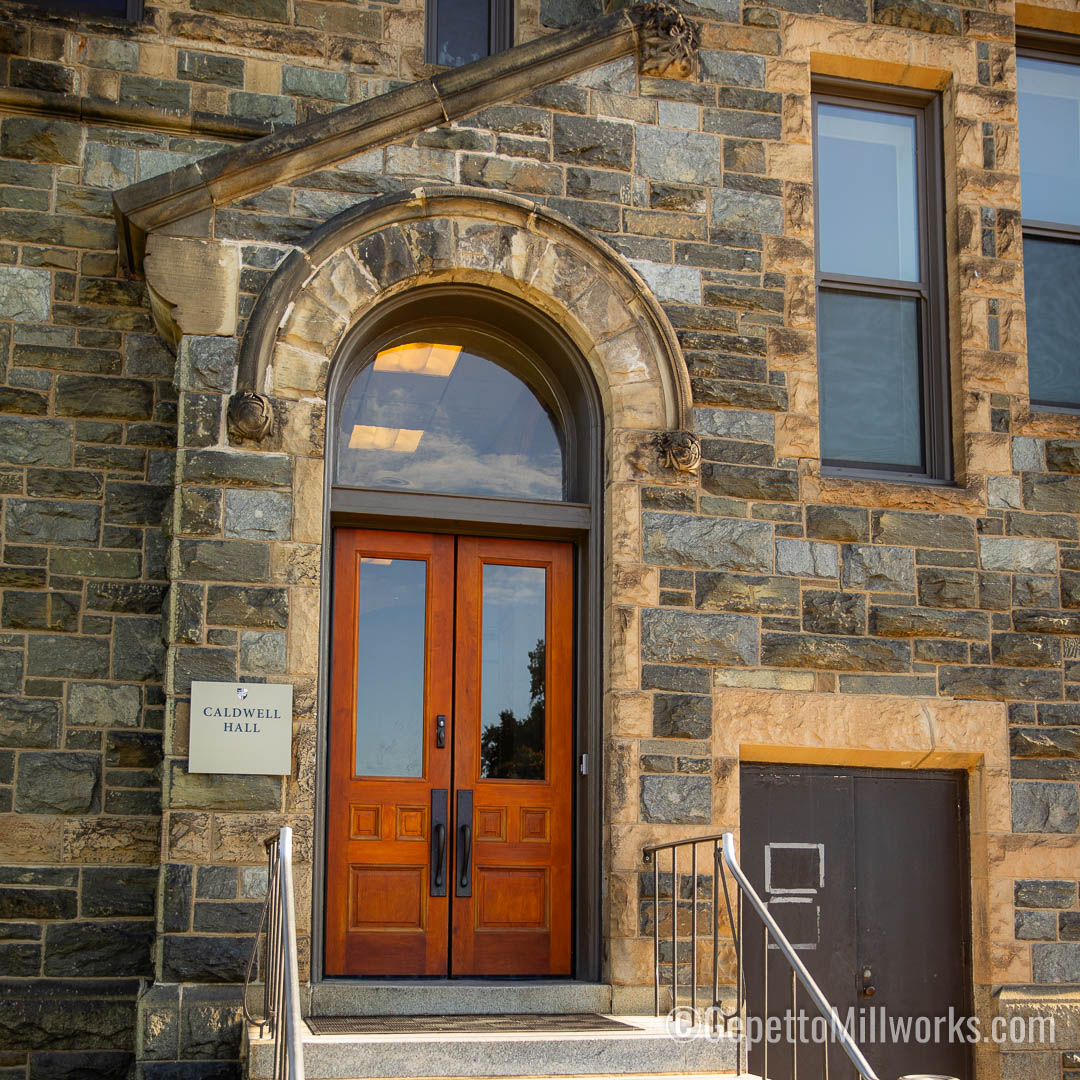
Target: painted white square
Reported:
[(772, 888), (241, 728)]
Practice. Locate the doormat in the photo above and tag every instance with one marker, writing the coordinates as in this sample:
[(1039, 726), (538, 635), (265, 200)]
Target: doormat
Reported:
[(544, 1023)]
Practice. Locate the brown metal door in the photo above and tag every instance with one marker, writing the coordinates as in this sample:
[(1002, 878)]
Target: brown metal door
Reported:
[(451, 768), (865, 870)]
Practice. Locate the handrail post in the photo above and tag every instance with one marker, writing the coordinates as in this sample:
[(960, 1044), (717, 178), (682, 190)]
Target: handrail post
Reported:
[(291, 976)]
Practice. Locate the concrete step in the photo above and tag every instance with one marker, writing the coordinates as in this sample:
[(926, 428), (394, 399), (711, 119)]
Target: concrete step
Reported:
[(457, 998), (646, 1050)]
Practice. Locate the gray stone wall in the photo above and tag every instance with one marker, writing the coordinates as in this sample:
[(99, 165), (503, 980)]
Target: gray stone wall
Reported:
[(766, 576)]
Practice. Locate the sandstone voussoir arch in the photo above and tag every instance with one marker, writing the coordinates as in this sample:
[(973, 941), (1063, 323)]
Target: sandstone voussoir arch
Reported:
[(447, 235)]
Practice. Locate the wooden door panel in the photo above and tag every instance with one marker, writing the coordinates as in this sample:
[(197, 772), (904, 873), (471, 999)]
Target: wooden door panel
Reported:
[(381, 916), (517, 763)]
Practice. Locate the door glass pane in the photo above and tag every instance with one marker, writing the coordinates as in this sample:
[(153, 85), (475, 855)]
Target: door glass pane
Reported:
[(390, 667), (868, 220), (869, 372), (513, 675), (463, 31), (1049, 104), (1052, 287), (438, 418)]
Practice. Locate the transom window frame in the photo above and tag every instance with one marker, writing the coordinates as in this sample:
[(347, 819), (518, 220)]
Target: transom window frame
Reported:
[(506, 326), (925, 107), (500, 28), (1063, 49)]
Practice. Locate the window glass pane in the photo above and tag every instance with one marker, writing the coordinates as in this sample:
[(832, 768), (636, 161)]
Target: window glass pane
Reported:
[(1049, 104), (439, 418), (1052, 287), (513, 672), (869, 374), (463, 31), (868, 221), (390, 667)]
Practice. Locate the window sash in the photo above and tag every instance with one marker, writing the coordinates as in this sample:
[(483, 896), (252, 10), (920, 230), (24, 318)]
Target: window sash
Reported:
[(500, 28), (929, 290)]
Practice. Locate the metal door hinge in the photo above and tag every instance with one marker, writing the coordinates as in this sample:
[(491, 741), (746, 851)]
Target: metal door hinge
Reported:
[(583, 768)]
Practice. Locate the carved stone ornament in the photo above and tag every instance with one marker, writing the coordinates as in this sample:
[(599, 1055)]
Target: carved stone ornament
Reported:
[(668, 43), (250, 416), (678, 450)]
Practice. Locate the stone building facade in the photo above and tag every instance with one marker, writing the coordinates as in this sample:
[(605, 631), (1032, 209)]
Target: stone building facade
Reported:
[(170, 240)]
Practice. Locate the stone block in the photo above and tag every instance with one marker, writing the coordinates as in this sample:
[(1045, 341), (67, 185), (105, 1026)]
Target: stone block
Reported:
[(1026, 650), (746, 212), (944, 587), (29, 723), (924, 15), (681, 157), (222, 791), (827, 611), (216, 883), (224, 560), (30, 138), (263, 652), (176, 897), (1055, 963), (923, 530), (210, 68), (682, 716), (203, 665), (678, 637), (119, 891), (1039, 807), (133, 749), (683, 540), (669, 677), (103, 705), (807, 558), (676, 800), (906, 622), (211, 1029), (127, 597), (26, 441), (1044, 894), (246, 606), (313, 82), (1035, 926), (764, 595), (65, 656), (218, 917), (1007, 553), (138, 650), (116, 949), (215, 959), (70, 1016), (236, 468), (584, 140), (92, 395), (58, 783), (829, 653), (735, 424), (1051, 492), (17, 902), (847, 523), (77, 1065), (748, 482), (273, 109), (25, 294), (997, 683), (878, 569), (258, 515)]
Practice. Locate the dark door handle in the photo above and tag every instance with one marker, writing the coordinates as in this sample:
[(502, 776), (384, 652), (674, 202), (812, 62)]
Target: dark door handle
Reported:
[(440, 732), (869, 991), (463, 821), (466, 855), (440, 853), (440, 805)]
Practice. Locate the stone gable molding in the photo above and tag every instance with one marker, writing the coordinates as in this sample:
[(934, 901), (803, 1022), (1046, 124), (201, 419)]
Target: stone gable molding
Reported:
[(244, 170), (448, 235)]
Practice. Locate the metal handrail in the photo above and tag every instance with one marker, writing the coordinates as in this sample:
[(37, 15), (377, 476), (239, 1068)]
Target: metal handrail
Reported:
[(281, 981), (724, 860), (847, 1043)]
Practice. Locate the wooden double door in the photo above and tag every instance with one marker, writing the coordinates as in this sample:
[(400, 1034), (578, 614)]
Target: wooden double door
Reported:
[(451, 756)]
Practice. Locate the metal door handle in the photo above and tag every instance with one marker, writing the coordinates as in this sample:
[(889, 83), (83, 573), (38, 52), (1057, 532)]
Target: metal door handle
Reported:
[(440, 732), (440, 853), (466, 857), (440, 799), (869, 991), (463, 822)]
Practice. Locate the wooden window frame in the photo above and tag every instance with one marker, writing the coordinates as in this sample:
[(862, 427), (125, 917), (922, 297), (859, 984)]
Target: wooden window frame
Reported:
[(500, 24), (930, 291), (1062, 49), (133, 12)]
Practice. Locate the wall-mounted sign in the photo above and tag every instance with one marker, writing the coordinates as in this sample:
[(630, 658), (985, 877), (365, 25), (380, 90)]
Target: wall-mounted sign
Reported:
[(241, 728)]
